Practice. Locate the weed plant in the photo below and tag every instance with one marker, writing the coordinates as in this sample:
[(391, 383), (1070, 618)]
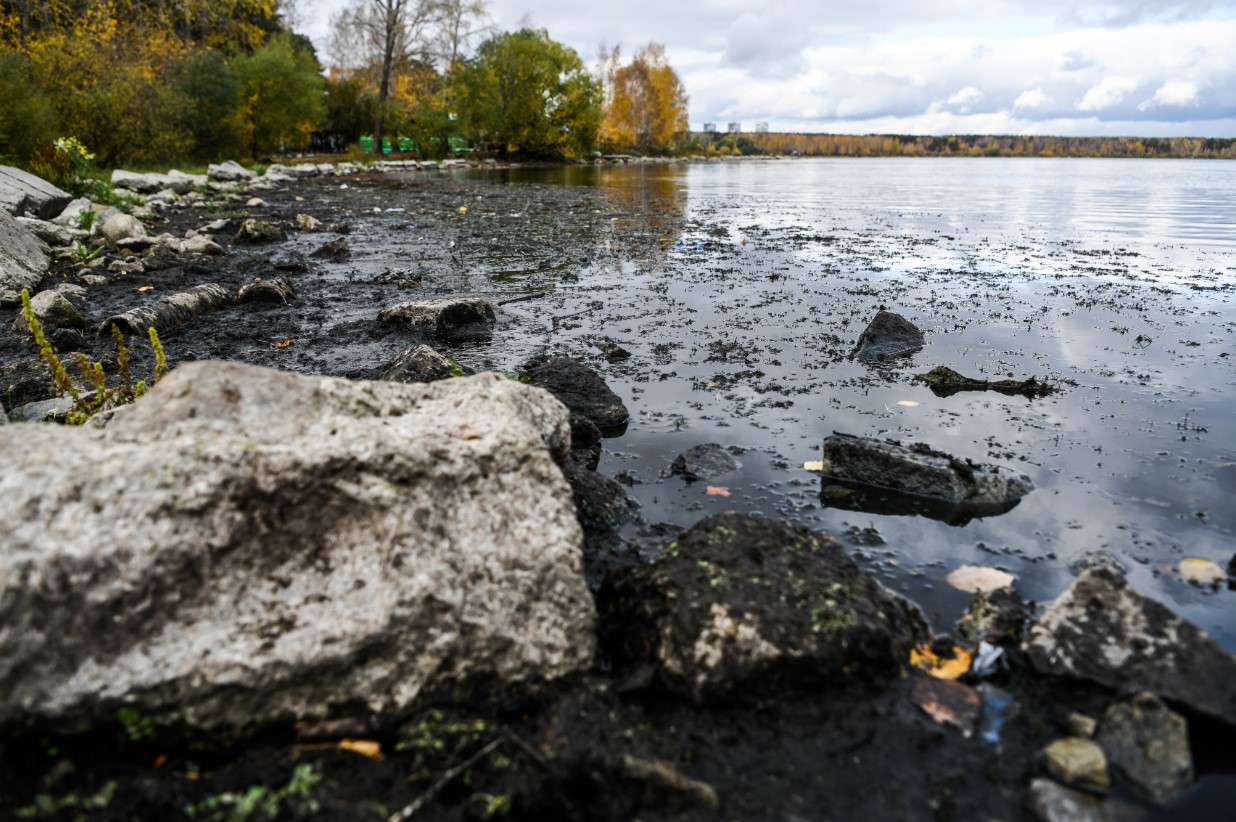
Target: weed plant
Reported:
[(104, 396)]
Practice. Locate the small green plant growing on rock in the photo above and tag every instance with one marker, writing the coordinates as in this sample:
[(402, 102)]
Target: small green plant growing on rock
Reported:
[(104, 396)]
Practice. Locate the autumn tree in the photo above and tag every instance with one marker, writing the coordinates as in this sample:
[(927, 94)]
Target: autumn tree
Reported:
[(282, 94), (645, 103), (526, 93), (380, 39)]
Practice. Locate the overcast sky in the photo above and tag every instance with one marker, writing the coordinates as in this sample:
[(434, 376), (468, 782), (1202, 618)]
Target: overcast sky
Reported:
[(1125, 67)]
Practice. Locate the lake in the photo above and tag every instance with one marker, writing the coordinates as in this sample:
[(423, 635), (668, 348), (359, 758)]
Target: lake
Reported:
[(740, 287)]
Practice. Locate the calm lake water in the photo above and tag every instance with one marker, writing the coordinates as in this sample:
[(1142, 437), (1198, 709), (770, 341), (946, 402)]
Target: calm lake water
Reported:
[(747, 284)]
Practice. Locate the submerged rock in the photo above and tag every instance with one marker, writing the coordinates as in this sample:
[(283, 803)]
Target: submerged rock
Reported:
[(741, 604), (945, 382), (921, 471), (1101, 630), (579, 388), (888, 335), (1149, 744), (445, 317), (244, 546), (703, 462)]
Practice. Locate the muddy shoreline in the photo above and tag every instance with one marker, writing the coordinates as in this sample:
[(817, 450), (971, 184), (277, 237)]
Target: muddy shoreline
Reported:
[(834, 754)]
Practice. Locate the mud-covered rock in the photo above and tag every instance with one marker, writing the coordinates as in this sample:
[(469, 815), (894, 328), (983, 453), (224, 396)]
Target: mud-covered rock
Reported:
[(579, 388), (740, 604), (1103, 631), (253, 230), (887, 335), (440, 318), (244, 545), (705, 461), (1148, 744), (23, 194), (273, 290), (420, 363), (336, 249), (53, 311), (921, 471), (23, 260)]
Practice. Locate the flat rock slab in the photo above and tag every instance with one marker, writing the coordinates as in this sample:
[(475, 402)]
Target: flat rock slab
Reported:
[(245, 546), (703, 462), (23, 260), (741, 604), (921, 471), (440, 318), (580, 389), (888, 335), (1103, 631), (24, 195)]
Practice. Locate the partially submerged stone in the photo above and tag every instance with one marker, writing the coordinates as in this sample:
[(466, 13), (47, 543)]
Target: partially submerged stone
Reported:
[(273, 290), (419, 363), (244, 546), (705, 461), (23, 260), (945, 382), (740, 604), (435, 318), (258, 231), (921, 471), (23, 194), (888, 335), (1103, 631), (1149, 744), (579, 388)]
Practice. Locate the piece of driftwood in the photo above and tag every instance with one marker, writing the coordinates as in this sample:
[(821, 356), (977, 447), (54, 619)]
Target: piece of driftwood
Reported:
[(920, 470), (170, 312), (945, 382)]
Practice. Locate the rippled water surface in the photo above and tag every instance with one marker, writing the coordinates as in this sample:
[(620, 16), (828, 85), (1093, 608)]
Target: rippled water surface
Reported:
[(740, 288)]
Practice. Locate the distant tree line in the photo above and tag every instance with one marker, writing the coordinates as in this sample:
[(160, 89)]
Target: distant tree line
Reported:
[(147, 82), (898, 145)]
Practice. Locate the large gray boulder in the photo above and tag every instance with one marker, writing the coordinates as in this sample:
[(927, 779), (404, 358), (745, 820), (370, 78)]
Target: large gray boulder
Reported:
[(24, 195), (741, 605), (1102, 630), (23, 260), (245, 545)]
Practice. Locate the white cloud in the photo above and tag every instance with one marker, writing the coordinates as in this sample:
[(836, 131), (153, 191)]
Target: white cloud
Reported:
[(965, 97), (1172, 93), (1108, 92), (1031, 98)]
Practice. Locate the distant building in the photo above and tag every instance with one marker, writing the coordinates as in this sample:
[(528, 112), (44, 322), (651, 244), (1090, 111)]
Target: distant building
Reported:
[(710, 128), (734, 128), (761, 128)]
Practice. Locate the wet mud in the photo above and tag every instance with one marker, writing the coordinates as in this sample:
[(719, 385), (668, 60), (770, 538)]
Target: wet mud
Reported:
[(738, 313)]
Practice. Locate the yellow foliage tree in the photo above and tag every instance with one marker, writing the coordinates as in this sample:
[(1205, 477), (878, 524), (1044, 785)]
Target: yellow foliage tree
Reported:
[(645, 103)]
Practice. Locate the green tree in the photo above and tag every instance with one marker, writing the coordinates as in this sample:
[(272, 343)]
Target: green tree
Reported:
[(210, 85), (282, 94), (525, 93), (26, 116)]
